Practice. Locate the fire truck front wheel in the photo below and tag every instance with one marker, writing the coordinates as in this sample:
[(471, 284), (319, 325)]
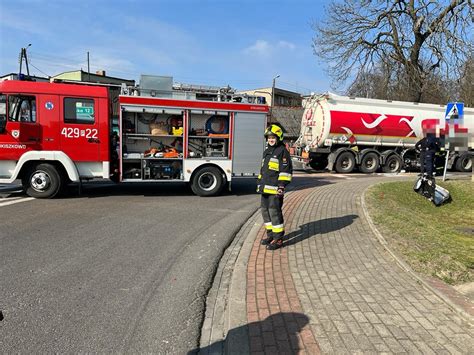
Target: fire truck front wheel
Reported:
[(42, 181), (207, 181)]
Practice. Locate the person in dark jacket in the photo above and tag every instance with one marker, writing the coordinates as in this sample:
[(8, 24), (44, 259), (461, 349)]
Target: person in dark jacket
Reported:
[(275, 175), (427, 146)]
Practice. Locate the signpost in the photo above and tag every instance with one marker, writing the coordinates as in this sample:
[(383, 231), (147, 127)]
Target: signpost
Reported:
[(454, 114), (454, 110)]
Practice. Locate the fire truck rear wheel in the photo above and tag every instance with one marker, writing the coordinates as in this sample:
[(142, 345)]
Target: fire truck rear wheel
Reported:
[(42, 181), (393, 164), (345, 162), (207, 181)]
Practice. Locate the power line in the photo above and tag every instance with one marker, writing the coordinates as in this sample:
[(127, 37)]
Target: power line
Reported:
[(39, 70), (59, 64), (55, 62), (294, 85), (43, 55), (72, 62)]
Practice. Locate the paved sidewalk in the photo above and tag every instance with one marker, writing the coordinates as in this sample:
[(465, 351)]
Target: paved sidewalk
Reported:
[(333, 288)]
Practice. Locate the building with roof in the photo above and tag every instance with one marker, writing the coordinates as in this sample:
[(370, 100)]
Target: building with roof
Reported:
[(282, 97), (99, 77), (15, 76), (286, 109)]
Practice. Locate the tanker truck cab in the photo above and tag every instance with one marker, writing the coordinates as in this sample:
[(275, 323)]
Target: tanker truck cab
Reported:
[(51, 134)]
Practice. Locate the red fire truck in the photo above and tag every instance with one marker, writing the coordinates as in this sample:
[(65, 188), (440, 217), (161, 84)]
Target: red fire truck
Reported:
[(53, 133)]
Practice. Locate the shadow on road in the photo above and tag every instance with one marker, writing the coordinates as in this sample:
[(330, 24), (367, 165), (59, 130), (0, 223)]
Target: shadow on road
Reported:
[(281, 329), (240, 187), (322, 226), (95, 190)]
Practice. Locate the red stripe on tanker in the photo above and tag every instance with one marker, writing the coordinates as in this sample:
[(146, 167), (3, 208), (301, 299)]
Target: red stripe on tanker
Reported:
[(372, 124)]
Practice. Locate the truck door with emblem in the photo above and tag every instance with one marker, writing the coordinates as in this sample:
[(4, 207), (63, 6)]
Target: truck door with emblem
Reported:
[(79, 129), (48, 117)]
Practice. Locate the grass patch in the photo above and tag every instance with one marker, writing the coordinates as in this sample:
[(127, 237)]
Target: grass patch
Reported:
[(437, 241)]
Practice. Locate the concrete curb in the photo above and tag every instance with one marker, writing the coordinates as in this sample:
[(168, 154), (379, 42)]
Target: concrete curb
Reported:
[(447, 300), (226, 307), (238, 343)]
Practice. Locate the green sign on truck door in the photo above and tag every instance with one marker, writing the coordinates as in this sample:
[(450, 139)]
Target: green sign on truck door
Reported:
[(84, 112)]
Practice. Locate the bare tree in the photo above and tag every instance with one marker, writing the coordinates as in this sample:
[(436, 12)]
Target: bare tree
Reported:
[(466, 85), (389, 83), (422, 38), (379, 83)]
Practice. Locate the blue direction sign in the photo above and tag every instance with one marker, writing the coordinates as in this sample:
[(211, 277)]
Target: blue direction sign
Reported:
[(454, 110)]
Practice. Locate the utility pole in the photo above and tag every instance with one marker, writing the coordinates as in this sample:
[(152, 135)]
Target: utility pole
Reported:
[(88, 68), (273, 97), (24, 56)]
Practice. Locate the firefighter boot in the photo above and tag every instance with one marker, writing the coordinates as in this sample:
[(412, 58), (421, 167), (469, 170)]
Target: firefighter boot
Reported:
[(275, 244), (268, 239)]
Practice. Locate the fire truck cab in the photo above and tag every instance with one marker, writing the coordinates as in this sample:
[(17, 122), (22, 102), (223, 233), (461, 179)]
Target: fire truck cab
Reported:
[(55, 133)]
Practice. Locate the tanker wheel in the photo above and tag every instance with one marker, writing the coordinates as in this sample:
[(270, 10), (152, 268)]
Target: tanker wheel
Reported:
[(207, 181), (464, 163), (369, 163), (393, 164), (345, 163), (42, 181)]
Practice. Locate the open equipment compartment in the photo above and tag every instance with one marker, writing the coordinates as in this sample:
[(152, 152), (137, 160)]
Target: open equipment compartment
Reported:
[(195, 141), (152, 144), (208, 134)]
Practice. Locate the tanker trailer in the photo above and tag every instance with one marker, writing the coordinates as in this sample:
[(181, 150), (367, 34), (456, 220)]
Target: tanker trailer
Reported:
[(344, 133)]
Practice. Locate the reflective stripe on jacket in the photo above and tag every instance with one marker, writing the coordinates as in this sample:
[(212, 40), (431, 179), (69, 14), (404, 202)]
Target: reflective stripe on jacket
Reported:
[(276, 170)]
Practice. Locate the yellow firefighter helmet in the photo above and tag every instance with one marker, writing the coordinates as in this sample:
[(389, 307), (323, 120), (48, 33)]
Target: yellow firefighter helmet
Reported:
[(274, 130)]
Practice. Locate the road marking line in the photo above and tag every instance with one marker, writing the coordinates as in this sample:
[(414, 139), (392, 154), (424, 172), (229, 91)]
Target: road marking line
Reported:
[(16, 200)]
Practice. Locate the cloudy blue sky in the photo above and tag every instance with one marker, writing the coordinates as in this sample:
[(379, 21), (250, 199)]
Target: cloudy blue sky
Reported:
[(243, 43)]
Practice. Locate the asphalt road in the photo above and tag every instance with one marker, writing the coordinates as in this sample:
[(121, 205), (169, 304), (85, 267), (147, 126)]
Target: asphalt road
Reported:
[(119, 269)]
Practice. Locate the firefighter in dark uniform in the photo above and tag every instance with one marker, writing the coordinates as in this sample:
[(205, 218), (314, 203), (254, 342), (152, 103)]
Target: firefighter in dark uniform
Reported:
[(427, 146), (275, 175)]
